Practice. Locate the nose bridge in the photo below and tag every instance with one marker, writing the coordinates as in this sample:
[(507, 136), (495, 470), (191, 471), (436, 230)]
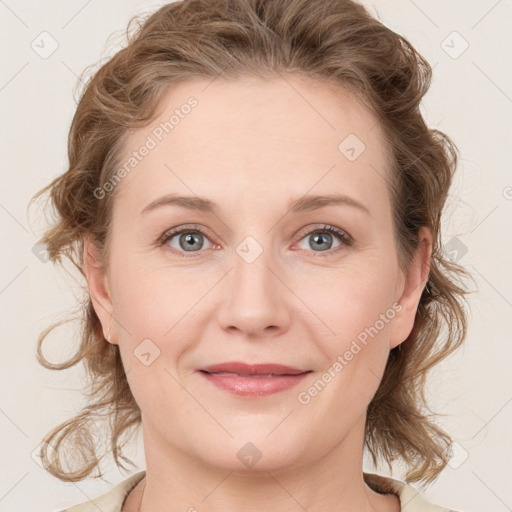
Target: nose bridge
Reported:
[(254, 297), (251, 263)]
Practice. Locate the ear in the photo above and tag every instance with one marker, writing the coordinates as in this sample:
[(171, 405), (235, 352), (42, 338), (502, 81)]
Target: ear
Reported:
[(413, 284), (99, 289)]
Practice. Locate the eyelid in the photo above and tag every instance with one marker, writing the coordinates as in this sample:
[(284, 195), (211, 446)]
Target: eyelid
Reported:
[(345, 239), (326, 227), (171, 233), (180, 229)]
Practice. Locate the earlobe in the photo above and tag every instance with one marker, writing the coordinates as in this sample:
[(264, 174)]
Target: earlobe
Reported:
[(98, 288), (414, 284), (108, 334)]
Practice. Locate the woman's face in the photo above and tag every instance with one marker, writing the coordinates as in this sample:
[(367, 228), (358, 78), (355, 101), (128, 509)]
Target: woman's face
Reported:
[(255, 277)]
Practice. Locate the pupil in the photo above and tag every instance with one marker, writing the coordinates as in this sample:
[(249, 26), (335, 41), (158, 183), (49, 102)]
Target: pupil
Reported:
[(317, 239), (190, 239)]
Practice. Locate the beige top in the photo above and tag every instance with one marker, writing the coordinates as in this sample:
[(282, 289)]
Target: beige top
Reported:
[(410, 499)]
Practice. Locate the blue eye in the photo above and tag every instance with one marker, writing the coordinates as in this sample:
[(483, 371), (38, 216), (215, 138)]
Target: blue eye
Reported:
[(192, 239), (322, 239), (187, 239)]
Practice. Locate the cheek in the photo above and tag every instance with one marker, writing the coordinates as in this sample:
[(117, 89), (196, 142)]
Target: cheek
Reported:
[(351, 301), (357, 312), (155, 297), (152, 306), (162, 313), (354, 341)]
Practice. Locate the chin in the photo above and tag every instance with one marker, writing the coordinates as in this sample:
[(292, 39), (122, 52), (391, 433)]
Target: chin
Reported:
[(249, 452)]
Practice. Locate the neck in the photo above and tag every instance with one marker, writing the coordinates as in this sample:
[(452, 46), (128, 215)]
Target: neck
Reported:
[(178, 481)]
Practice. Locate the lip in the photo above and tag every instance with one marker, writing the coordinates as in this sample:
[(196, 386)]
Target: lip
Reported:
[(245, 369), (253, 380)]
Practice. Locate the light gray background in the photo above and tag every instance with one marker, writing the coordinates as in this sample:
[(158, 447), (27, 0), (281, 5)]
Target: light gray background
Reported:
[(470, 99)]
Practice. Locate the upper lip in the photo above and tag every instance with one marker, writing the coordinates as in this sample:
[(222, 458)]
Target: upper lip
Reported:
[(252, 369)]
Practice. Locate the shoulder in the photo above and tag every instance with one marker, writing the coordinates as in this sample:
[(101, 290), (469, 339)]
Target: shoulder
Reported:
[(411, 500), (113, 500)]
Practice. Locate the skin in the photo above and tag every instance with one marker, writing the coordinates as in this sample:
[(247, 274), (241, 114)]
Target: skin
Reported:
[(251, 146)]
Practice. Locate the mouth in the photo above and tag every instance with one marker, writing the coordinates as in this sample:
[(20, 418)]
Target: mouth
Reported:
[(253, 380), (252, 370)]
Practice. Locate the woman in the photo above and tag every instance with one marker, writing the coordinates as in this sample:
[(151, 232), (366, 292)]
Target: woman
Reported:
[(255, 200)]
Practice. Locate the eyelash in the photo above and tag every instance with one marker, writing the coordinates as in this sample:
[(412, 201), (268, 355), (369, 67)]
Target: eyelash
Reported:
[(345, 238)]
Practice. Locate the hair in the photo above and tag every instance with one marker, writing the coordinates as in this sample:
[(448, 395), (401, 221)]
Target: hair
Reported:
[(336, 41)]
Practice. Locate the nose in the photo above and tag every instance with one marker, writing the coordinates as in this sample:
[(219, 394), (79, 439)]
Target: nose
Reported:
[(256, 302)]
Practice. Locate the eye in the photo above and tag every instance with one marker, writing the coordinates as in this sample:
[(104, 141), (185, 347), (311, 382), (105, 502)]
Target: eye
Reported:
[(186, 239), (321, 239), (191, 239)]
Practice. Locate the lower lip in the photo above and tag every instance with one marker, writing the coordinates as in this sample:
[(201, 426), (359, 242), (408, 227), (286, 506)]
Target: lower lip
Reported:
[(254, 386)]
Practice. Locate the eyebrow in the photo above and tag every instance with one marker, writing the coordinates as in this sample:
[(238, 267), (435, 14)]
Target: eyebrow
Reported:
[(303, 204)]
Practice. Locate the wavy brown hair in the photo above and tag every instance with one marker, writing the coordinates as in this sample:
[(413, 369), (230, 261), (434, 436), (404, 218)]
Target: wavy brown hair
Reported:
[(336, 41)]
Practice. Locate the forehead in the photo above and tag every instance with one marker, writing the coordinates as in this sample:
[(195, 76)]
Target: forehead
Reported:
[(254, 134)]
